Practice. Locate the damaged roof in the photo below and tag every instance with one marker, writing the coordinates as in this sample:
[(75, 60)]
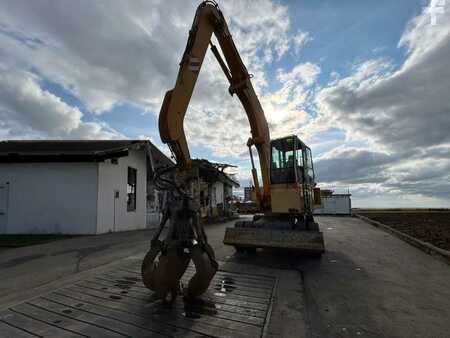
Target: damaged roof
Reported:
[(72, 150), (211, 172)]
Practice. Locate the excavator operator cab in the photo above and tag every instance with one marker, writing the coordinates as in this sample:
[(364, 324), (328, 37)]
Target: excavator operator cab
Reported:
[(291, 161)]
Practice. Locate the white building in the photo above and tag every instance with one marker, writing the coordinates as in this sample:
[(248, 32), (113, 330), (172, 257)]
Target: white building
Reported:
[(77, 187), (216, 190), (334, 204), (248, 194)]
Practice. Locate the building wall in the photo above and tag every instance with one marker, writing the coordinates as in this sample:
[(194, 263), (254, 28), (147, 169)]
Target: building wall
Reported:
[(155, 200), (112, 210), (335, 205), (48, 198), (217, 192), (216, 198), (247, 193)]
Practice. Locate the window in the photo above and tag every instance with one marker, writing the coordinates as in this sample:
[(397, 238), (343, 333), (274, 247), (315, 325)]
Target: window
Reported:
[(283, 160), (131, 189), (276, 161), (299, 157), (309, 165)]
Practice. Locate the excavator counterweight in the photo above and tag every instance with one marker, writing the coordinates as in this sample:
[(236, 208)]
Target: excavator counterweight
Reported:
[(252, 237)]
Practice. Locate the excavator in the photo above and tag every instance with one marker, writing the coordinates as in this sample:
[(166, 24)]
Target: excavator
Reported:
[(286, 197)]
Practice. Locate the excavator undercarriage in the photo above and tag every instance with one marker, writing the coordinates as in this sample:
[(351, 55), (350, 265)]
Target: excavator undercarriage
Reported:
[(275, 232)]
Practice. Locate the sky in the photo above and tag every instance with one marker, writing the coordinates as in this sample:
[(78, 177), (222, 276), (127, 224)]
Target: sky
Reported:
[(365, 84)]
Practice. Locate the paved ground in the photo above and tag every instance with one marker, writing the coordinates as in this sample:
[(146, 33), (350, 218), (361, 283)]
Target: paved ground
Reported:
[(110, 300), (23, 269), (372, 283), (115, 303), (368, 284)]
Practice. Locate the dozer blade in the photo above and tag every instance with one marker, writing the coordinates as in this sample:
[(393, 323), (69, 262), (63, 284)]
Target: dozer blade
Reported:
[(298, 240)]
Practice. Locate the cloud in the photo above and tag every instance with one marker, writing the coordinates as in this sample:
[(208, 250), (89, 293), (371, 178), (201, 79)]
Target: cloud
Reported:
[(224, 128), (351, 165), (386, 180), (260, 28), (104, 52), (261, 31), (304, 73), (395, 117), (285, 108), (300, 40), (402, 114), (28, 110), (107, 53), (401, 108)]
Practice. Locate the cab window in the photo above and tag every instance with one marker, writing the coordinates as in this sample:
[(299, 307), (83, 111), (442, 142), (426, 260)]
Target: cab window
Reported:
[(284, 161)]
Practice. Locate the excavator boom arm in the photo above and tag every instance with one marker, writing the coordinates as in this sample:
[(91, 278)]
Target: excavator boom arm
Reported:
[(208, 20)]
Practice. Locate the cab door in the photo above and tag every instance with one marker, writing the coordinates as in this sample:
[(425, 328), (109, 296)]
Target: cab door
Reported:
[(286, 194), (308, 179)]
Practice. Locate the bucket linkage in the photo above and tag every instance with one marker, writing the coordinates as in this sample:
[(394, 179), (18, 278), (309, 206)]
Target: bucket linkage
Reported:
[(167, 260)]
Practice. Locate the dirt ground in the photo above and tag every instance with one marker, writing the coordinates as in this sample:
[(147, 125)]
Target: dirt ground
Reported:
[(431, 227)]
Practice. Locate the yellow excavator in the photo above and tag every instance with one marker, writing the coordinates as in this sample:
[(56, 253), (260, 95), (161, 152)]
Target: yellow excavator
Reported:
[(288, 192), (286, 197)]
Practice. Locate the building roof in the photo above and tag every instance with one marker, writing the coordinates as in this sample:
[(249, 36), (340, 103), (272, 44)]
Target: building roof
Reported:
[(210, 173), (95, 151), (73, 150)]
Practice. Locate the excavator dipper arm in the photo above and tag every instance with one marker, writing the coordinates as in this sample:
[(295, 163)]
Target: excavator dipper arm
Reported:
[(208, 20)]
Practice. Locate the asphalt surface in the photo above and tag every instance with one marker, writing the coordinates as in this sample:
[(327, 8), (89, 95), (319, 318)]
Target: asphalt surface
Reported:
[(24, 269), (367, 284)]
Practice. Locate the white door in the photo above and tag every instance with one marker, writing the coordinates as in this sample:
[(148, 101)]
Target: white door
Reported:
[(3, 208)]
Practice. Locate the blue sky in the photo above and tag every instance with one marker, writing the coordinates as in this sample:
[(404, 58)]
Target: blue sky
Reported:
[(360, 81)]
